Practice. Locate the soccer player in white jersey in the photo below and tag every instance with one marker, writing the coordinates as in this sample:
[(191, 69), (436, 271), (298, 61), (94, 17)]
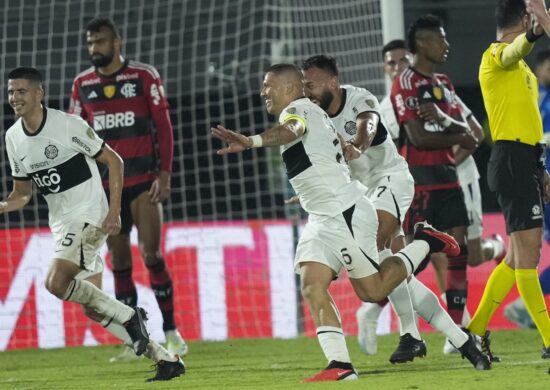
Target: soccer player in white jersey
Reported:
[(354, 112), (342, 224), (57, 152)]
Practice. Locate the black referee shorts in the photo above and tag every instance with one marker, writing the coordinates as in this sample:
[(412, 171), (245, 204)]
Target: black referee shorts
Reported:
[(515, 172), (443, 209)]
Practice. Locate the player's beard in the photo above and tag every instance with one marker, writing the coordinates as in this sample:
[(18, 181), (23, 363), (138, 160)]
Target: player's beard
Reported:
[(100, 60), (325, 99)]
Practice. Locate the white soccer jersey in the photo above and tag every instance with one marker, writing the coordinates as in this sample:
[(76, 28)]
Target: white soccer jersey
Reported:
[(386, 111), (59, 159), (381, 158), (315, 165), (467, 169)]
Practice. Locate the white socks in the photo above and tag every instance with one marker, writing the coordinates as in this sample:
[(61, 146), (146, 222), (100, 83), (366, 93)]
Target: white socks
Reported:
[(154, 351), (413, 254), (401, 302), (427, 305), (333, 343), (87, 294)]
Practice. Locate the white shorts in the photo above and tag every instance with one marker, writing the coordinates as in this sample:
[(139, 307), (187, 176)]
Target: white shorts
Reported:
[(330, 241), (80, 243), (472, 198), (393, 193)]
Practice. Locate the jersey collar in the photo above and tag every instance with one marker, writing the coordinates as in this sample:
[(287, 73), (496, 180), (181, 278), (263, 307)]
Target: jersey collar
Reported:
[(108, 76), (44, 116), (344, 96)]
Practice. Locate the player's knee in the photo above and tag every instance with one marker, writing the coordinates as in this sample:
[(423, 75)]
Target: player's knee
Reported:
[(367, 294), (151, 258), (313, 292), (56, 286)]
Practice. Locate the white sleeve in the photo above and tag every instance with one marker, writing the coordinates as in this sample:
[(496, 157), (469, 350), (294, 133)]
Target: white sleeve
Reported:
[(388, 115), (294, 112), (18, 171), (364, 101), (466, 112), (82, 138)]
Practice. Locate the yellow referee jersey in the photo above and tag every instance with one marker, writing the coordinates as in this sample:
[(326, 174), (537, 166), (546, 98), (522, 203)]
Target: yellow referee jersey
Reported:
[(511, 98)]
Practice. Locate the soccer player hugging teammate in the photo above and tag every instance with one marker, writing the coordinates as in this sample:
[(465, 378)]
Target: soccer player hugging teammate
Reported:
[(124, 102), (376, 164), (58, 152), (341, 229), (432, 124)]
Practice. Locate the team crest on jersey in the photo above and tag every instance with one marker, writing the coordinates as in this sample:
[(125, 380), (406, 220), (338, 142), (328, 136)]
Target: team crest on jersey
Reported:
[(51, 152), (90, 133), (109, 91), (438, 93), (370, 103), (350, 128), (128, 90)]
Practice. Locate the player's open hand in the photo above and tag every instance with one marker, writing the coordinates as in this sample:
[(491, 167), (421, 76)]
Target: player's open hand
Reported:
[(160, 189), (111, 224), (235, 142)]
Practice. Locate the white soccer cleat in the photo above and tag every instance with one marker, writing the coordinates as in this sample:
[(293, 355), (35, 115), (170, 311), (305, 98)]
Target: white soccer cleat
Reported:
[(175, 344), (127, 355), (367, 322), (449, 348)]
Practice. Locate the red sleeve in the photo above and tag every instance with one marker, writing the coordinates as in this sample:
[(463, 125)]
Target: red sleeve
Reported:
[(404, 100), (158, 106), (75, 105)]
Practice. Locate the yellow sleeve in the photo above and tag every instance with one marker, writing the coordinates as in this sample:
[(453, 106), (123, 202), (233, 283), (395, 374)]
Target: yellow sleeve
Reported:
[(507, 55)]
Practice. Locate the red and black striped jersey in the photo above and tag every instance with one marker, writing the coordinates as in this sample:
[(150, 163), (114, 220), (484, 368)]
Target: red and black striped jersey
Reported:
[(432, 169), (129, 110)]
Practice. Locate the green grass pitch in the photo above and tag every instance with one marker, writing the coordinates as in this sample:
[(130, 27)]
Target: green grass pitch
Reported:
[(281, 364)]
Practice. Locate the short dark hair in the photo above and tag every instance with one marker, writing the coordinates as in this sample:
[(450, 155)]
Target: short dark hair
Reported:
[(96, 24), (392, 45), (284, 68), (322, 61), (31, 74), (427, 22), (542, 56), (508, 13)]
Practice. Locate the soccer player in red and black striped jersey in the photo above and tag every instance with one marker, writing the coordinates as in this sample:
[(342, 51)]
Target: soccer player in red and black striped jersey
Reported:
[(431, 123), (124, 101)]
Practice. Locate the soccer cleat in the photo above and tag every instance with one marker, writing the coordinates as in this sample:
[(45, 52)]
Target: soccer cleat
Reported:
[(545, 352), (366, 330), (407, 349), (135, 327), (167, 370), (498, 237), (449, 348), (127, 355), (438, 241), (175, 344), (469, 351), (518, 314), (486, 348), (335, 371)]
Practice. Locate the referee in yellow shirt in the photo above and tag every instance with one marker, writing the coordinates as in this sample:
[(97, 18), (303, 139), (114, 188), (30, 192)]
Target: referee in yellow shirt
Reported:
[(516, 167)]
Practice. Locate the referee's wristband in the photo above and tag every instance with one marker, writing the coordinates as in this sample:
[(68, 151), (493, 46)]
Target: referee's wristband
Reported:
[(257, 141), (531, 36)]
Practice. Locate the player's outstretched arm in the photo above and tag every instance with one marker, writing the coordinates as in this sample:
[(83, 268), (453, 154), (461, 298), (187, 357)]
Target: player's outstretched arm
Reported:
[(111, 223), (367, 124), (276, 136), (20, 195)]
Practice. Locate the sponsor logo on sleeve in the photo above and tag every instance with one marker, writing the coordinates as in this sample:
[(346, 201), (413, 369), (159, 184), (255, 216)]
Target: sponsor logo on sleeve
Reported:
[(155, 94), (79, 142), (90, 133)]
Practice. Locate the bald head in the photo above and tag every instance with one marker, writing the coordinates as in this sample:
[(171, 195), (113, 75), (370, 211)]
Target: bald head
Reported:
[(283, 83)]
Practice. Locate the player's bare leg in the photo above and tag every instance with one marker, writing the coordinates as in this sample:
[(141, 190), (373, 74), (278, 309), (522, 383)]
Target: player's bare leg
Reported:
[(147, 217), (61, 281), (315, 281)]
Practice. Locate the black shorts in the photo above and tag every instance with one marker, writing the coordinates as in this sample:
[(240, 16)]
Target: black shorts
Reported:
[(443, 209), (128, 195), (516, 173)]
